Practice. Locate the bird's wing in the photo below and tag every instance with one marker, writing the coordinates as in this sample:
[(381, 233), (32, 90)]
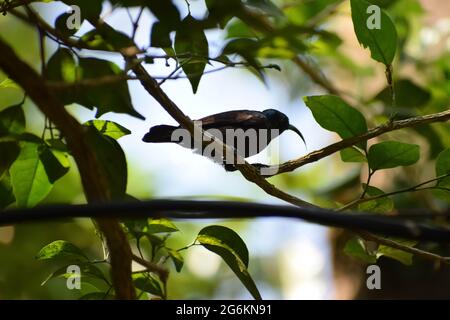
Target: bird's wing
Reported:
[(243, 119)]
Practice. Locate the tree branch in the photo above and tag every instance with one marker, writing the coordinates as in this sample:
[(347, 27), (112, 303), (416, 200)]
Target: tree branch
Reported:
[(338, 146), (191, 209), (94, 183)]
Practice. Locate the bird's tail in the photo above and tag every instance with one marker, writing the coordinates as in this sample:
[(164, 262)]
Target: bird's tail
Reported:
[(161, 133)]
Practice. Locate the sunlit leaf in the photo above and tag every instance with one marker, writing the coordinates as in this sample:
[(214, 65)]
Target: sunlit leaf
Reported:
[(29, 179), (109, 128), (379, 35), (61, 249)]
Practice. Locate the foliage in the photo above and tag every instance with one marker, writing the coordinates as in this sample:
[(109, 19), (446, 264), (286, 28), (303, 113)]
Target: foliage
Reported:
[(259, 35)]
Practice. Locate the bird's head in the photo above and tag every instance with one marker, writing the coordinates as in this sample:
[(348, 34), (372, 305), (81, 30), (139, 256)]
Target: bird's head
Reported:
[(280, 121)]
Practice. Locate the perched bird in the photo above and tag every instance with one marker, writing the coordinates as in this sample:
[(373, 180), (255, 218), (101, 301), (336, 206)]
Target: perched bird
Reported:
[(271, 121)]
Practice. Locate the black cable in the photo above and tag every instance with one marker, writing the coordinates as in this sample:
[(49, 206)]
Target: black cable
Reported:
[(192, 209)]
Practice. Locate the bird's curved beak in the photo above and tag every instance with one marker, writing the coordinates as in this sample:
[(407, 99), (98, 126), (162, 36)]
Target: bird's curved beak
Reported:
[(291, 127)]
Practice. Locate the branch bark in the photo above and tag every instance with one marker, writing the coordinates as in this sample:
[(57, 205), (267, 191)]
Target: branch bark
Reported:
[(94, 182), (338, 146)]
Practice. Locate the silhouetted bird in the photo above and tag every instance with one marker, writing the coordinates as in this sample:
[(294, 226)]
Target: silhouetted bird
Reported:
[(273, 121)]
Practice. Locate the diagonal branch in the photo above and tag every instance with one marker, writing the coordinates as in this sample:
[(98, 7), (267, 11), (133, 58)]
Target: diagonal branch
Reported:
[(94, 183), (338, 146)]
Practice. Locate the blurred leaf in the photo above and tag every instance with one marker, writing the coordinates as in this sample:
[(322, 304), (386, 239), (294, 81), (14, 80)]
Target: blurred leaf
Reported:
[(266, 6), (56, 163), (391, 154), (62, 67), (381, 41), (113, 97), (352, 155), (222, 11), (230, 247), (112, 158), (87, 270), (109, 128), (160, 36), (300, 12), (6, 193), (443, 167), (160, 225), (8, 83), (177, 259), (9, 152), (107, 39), (90, 9), (407, 94), (334, 114), (12, 120), (396, 254), (381, 205), (61, 25), (248, 50), (165, 11), (147, 283), (190, 40), (356, 248), (61, 249), (30, 181)]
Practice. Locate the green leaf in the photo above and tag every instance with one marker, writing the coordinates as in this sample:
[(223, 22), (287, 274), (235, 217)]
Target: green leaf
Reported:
[(109, 128), (160, 36), (61, 249), (30, 181), (352, 154), (107, 39), (222, 11), (177, 259), (407, 95), (113, 97), (355, 247), (248, 50), (87, 270), (334, 114), (12, 120), (9, 152), (61, 24), (443, 168), (90, 9), (391, 154), (147, 283), (160, 225), (8, 83), (399, 255), (56, 163), (113, 162), (190, 40), (62, 66), (6, 193), (230, 247), (381, 39), (381, 205)]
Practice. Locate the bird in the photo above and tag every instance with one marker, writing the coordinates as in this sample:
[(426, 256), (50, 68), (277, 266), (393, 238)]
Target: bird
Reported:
[(271, 121)]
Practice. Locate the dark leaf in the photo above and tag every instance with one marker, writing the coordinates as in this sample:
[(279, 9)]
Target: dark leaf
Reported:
[(230, 247), (190, 40), (112, 158)]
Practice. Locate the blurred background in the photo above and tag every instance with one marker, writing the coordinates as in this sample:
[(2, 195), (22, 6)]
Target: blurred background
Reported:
[(288, 259)]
